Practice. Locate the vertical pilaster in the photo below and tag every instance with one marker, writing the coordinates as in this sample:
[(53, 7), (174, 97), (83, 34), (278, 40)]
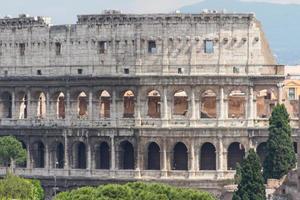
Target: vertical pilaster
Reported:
[(29, 106), (220, 154), (48, 108), (138, 109), (90, 111), (280, 86), (89, 156), (221, 108), (114, 110), (28, 158), (66, 152), (113, 153), (13, 105), (193, 102), (250, 107), (47, 156), (165, 107), (165, 158), (68, 105)]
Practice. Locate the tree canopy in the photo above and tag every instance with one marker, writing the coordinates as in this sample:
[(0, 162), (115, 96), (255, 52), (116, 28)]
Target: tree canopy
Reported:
[(14, 187), (251, 183), (280, 157), (11, 150), (134, 191)]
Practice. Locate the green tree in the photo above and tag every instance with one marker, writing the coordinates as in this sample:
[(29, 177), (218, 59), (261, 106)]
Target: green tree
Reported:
[(134, 191), (251, 186), (11, 151), (280, 157), (14, 187)]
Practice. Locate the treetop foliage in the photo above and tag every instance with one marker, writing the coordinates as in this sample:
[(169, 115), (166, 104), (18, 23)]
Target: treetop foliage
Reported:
[(11, 149), (280, 158), (251, 183), (134, 191)]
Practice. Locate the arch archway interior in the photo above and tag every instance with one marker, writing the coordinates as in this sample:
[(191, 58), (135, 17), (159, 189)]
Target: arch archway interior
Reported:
[(59, 156), (38, 155), (105, 100), (79, 156), (180, 103), (61, 112), (154, 102), (236, 154), (180, 157), (127, 160), (82, 105), (266, 99), (102, 156), (129, 104), (208, 104), (153, 157), (236, 104), (6, 105), (208, 157)]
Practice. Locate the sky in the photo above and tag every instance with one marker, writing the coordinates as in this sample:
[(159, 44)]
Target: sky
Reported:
[(65, 11)]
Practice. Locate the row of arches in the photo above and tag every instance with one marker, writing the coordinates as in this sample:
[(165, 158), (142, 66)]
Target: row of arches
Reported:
[(265, 101), (179, 157)]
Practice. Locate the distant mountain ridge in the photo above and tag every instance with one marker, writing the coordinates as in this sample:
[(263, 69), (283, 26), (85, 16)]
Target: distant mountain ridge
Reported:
[(281, 23)]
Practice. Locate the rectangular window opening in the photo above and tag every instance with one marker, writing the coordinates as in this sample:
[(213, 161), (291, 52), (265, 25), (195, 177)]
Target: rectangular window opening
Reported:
[(292, 94), (58, 48), (126, 71), (102, 47), (152, 46), (39, 72), (79, 71), (208, 46), (22, 49)]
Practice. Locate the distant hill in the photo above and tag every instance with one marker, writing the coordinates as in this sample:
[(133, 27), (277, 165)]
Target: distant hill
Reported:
[(281, 23)]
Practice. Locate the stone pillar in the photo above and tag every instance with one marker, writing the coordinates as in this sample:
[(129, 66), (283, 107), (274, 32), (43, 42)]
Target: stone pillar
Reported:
[(47, 155), (13, 105), (220, 155), (192, 161), (90, 110), (165, 107), (68, 105), (165, 159), (48, 108), (113, 153), (193, 103), (114, 109), (28, 158), (138, 110), (89, 156), (29, 107), (280, 86), (66, 152), (221, 108)]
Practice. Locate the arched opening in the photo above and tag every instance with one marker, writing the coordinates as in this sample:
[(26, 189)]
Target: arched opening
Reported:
[(261, 151), (236, 153), (79, 155), (24, 164), (58, 156), (128, 99), (104, 104), (102, 156), (41, 105), (236, 104), (22, 104), (180, 157), (295, 147), (265, 102), (126, 156), (154, 104), (6, 105), (153, 156), (38, 155), (180, 103), (208, 104), (82, 106), (208, 157), (60, 106)]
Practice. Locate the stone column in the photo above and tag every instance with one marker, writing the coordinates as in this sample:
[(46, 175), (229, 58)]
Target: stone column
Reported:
[(220, 155), (165, 159), (113, 153), (28, 158), (68, 106), (46, 155), (66, 152), (48, 108), (90, 110), (138, 110), (193, 103), (29, 107), (280, 86), (221, 108), (165, 107), (114, 109), (89, 156), (192, 161), (13, 105)]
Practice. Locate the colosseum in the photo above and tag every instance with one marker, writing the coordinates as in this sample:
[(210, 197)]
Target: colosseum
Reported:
[(175, 98)]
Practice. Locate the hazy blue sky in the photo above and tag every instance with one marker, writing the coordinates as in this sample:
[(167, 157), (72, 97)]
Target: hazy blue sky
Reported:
[(65, 11)]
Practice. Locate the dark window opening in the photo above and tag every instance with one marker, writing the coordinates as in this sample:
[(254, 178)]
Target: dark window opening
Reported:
[(79, 71), (151, 46), (22, 49), (102, 47), (153, 157), (180, 157), (39, 72), (208, 46), (126, 71), (58, 48)]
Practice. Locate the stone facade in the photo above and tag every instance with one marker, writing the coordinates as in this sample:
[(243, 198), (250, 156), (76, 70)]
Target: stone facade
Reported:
[(176, 98)]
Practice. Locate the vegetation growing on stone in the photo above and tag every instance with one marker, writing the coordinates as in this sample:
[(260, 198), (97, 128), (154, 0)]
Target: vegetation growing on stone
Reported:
[(280, 158), (251, 183), (134, 191)]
